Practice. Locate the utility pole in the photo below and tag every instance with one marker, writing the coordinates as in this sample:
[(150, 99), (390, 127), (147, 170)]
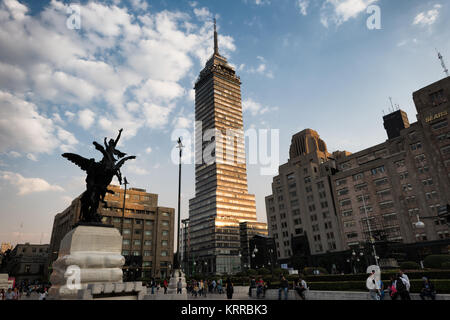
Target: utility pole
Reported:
[(125, 182), (180, 146), (372, 240)]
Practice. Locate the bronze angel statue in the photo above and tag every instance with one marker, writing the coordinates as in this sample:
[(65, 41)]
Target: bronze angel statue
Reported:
[(99, 176)]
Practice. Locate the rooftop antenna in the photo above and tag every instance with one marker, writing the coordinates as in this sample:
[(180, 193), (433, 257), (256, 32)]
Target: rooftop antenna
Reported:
[(392, 105), (442, 63), (216, 42)]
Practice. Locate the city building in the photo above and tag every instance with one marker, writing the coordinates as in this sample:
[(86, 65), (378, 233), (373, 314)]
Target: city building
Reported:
[(383, 191), (221, 198), (26, 263), (147, 230), (302, 203), (345, 201), (249, 229)]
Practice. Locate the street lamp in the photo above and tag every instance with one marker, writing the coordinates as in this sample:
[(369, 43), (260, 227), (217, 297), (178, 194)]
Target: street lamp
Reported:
[(419, 224), (180, 146)]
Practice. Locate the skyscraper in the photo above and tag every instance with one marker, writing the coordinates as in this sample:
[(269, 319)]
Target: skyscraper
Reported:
[(222, 200)]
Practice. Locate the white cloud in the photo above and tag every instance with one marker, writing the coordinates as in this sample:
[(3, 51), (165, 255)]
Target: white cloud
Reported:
[(86, 118), (261, 68), (148, 150), (340, 11), (303, 6), (427, 18), (28, 185), (129, 64), (203, 13), (31, 157), (255, 108)]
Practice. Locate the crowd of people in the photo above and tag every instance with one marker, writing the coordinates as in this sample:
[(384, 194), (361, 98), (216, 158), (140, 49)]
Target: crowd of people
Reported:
[(398, 288), (200, 288), (23, 292)]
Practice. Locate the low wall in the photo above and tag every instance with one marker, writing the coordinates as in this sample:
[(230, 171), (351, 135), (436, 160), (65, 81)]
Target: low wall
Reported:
[(272, 294)]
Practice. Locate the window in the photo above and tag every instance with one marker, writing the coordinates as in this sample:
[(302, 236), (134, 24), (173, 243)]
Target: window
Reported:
[(165, 223), (125, 252), (126, 242), (137, 242), (164, 243), (445, 150), (342, 192), (149, 222), (126, 231), (378, 170), (404, 175), (165, 214), (165, 233), (440, 125), (320, 185), (341, 182), (360, 187), (127, 221), (416, 146), (438, 97), (148, 232), (358, 176), (346, 202), (308, 180), (347, 213), (147, 243), (164, 254), (313, 218), (381, 182)]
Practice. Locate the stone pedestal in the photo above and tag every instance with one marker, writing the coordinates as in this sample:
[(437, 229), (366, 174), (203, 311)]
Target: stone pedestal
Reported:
[(3, 281), (89, 266)]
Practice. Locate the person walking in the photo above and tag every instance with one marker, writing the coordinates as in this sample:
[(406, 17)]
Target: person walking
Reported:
[(214, 286), (400, 285), (179, 286), (2, 294), (10, 295), (284, 286), (229, 289), (428, 289), (373, 286), (219, 286), (407, 283), (259, 287), (165, 284), (393, 293)]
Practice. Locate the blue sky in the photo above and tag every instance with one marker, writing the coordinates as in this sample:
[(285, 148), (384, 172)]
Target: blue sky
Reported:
[(132, 64)]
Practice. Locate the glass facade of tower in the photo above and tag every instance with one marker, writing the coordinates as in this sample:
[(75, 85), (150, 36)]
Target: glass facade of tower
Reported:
[(222, 200)]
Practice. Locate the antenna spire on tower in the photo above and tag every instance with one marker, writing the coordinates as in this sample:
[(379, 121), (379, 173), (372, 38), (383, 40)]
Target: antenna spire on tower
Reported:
[(216, 42), (442, 63)]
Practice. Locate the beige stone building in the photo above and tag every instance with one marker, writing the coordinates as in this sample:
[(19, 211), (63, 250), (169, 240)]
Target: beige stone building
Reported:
[(402, 180), (302, 203), (343, 201), (147, 229)]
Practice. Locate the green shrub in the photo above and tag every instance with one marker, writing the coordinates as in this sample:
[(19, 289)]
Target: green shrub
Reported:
[(436, 261), (263, 271), (252, 272), (409, 265)]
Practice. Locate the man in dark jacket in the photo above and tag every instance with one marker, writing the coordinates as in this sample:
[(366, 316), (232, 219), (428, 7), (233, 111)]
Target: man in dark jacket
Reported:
[(284, 286)]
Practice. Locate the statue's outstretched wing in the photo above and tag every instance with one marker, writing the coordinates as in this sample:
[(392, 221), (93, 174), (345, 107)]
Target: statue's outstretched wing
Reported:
[(83, 163), (121, 162)]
